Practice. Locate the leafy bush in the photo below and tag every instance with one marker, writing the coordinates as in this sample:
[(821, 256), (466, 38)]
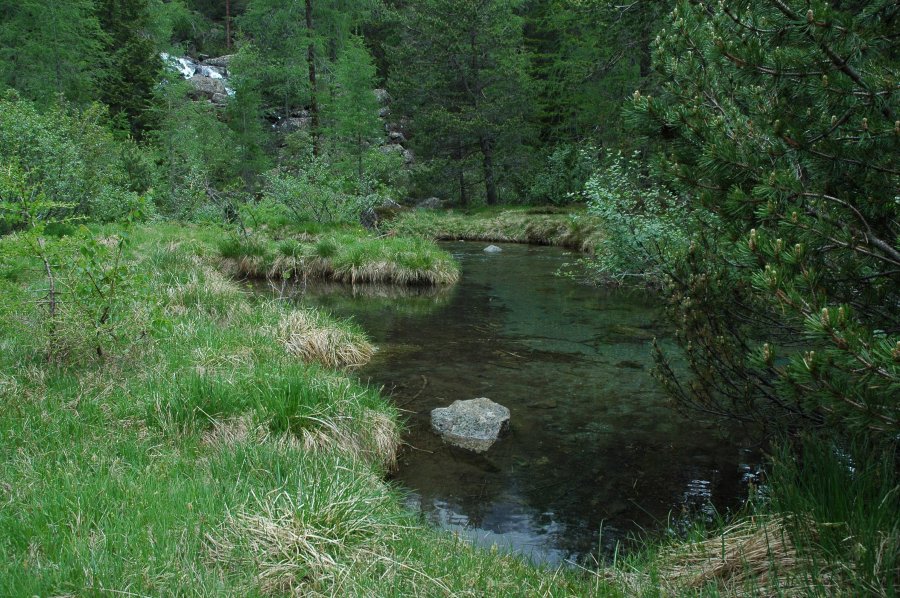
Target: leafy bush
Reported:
[(314, 194), (646, 227), (72, 158), (567, 169)]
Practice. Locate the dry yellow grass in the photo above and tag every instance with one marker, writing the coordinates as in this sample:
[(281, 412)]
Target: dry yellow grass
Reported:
[(301, 268), (309, 336), (753, 557), (249, 266)]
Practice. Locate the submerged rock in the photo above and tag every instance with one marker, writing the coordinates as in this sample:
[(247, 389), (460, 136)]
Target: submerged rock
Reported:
[(474, 425), (492, 249)]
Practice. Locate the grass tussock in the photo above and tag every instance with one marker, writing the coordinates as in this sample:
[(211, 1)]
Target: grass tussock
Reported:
[(306, 538), (314, 338), (563, 228), (354, 258), (752, 557)]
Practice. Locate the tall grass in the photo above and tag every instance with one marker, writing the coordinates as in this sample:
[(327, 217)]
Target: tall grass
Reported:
[(352, 257), (848, 496)]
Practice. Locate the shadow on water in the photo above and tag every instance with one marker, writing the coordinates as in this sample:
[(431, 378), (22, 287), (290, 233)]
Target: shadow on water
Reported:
[(593, 444)]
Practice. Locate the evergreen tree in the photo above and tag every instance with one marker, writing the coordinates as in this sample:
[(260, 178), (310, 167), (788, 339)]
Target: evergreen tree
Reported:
[(278, 29), (781, 118), (245, 114), (353, 112), (586, 57), (132, 65), (50, 48), (459, 71)]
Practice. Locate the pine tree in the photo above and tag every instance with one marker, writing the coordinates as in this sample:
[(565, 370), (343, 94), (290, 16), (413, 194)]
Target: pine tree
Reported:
[(459, 71), (353, 113), (781, 118), (278, 30), (50, 48), (132, 66), (245, 113)]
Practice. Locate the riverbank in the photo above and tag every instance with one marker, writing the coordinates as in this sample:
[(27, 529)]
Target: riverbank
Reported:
[(165, 431), (572, 228), (210, 450), (347, 256)]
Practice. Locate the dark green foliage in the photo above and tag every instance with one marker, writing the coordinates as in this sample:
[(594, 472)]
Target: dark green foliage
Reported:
[(459, 70), (131, 64), (278, 30), (585, 58), (50, 48), (782, 119)]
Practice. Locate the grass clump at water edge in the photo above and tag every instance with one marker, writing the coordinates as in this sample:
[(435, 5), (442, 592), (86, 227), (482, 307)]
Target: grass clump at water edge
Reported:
[(352, 257)]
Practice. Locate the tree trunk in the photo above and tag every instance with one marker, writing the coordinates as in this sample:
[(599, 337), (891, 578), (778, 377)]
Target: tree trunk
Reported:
[(646, 20), (359, 158), (311, 60), (458, 155), (228, 24), (490, 185)]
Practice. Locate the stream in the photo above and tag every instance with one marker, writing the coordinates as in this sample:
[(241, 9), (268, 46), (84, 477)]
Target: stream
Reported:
[(595, 455)]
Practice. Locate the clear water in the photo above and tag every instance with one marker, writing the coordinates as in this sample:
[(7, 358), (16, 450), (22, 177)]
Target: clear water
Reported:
[(595, 453)]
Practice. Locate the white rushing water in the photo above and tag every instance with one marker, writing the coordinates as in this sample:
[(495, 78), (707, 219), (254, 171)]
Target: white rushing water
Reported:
[(189, 68)]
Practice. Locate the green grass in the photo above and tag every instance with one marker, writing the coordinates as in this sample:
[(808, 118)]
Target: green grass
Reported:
[(205, 457), (212, 462), (571, 228), (352, 256)]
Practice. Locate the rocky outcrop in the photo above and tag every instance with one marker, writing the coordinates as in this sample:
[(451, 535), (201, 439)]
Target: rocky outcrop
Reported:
[(221, 62), (382, 96), (396, 148), (212, 89), (209, 79), (292, 124), (474, 425), (371, 217)]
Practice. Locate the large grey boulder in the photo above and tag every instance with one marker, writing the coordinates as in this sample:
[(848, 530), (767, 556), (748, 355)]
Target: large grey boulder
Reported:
[(292, 124), (207, 87), (221, 62), (474, 425), (492, 249), (382, 96)]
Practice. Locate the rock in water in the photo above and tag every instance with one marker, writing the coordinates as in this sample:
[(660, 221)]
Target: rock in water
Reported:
[(492, 249), (474, 425)]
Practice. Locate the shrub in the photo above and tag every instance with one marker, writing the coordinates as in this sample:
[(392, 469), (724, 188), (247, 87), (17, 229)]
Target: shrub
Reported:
[(646, 227), (72, 158), (567, 169)]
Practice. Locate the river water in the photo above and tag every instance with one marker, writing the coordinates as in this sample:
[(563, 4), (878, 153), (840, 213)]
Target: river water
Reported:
[(595, 453)]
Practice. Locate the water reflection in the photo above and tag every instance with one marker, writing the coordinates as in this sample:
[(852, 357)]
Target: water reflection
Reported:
[(595, 452)]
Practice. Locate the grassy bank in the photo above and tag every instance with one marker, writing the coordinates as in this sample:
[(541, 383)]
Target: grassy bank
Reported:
[(217, 446), (570, 228), (343, 256)]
